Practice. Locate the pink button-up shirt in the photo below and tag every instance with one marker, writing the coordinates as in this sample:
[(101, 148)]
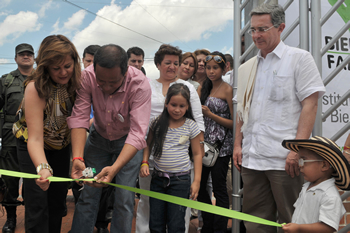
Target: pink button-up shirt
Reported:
[(127, 111)]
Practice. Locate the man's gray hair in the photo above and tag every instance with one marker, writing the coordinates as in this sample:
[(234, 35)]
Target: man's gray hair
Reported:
[(274, 10)]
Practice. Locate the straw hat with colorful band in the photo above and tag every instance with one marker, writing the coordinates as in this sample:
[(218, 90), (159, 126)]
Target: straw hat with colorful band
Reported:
[(330, 152)]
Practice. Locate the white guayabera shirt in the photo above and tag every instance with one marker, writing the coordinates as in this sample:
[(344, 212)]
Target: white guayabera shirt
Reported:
[(283, 80)]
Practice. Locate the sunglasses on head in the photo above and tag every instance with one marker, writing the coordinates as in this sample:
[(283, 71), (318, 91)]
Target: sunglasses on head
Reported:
[(216, 58)]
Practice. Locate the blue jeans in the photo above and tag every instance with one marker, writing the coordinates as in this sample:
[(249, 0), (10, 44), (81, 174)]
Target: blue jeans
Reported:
[(99, 153), (164, 214)]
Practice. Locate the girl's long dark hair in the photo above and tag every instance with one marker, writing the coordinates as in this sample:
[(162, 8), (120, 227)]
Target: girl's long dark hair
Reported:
[(207, 84), (160, 124)]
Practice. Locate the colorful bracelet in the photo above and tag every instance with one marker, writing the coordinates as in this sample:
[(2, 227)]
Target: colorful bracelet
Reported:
[(144, 164), (346, 152), (80, 158), (346, 148)]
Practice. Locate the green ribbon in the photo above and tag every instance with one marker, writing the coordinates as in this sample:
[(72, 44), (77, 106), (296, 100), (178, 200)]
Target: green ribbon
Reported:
[(164, 197)]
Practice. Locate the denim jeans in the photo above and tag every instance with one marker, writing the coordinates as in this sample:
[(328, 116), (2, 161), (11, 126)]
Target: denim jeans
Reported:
[(99, 153), (165, 215)]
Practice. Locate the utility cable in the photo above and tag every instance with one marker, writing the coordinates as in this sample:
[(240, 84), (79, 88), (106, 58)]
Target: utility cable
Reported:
[(112, 21), (173, 6), (162, 24)]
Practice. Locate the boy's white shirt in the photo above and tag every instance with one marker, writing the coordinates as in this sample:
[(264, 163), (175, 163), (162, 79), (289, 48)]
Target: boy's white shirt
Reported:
[(321, 203)]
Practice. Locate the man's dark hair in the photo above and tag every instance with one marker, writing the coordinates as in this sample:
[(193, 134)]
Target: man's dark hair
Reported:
[(229, 59), (111, 55), (135, 50), (91, 49)]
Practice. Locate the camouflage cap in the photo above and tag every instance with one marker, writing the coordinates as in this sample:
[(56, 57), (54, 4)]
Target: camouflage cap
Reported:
[(24, 48)]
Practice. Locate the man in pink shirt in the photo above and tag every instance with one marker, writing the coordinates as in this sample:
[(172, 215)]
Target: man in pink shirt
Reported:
[(121, 98)]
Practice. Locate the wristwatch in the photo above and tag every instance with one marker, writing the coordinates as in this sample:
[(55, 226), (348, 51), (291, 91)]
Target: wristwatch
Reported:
[(44, 166)]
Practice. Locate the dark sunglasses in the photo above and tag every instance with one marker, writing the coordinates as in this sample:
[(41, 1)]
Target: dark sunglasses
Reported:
[(216, 58)]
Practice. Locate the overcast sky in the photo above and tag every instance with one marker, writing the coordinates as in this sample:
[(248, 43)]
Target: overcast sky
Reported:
[(188, 24)]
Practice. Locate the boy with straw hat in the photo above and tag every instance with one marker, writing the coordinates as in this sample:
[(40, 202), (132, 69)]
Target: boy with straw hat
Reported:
[(319, 207)]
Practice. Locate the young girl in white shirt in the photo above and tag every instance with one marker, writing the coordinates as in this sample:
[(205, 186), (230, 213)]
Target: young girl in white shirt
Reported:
[(168, 141)]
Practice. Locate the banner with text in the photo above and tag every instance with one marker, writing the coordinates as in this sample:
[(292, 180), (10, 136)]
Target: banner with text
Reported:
[(333, 57)]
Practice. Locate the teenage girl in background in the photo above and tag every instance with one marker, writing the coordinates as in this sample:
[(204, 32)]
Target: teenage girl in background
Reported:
[(216, 99), (168, 140)]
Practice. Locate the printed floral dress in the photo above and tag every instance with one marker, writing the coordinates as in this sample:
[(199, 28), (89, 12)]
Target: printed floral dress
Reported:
[(215, 132)]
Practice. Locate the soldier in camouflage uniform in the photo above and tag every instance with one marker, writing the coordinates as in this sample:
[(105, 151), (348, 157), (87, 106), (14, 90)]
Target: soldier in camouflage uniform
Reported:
[(11, 95)]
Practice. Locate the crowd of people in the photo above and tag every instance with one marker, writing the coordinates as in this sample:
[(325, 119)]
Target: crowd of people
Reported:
[(109, 116)]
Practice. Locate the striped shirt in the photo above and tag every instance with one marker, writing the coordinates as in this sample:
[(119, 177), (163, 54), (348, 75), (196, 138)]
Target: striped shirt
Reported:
[(175, 158)]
